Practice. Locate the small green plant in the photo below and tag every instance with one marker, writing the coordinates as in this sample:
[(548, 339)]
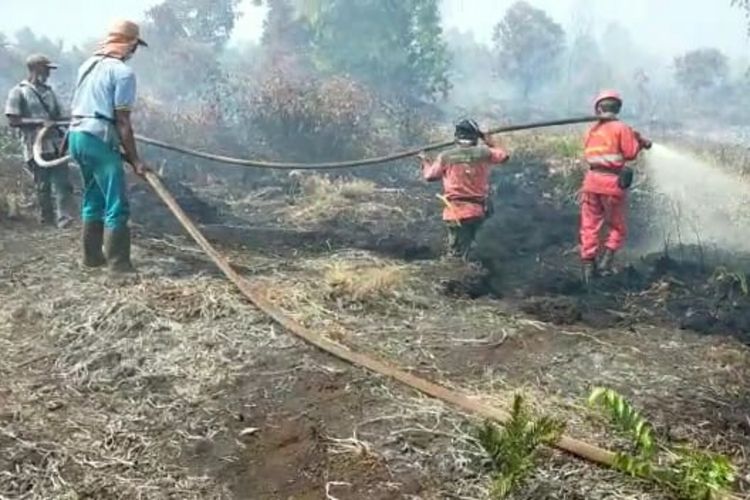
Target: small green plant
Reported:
[(690, 474), (702, 475), (512, 450)]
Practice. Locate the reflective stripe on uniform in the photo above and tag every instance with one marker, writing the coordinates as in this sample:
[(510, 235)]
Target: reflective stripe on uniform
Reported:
[(605, 159), (596, 149)]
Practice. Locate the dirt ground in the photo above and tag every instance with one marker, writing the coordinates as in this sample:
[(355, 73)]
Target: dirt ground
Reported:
[(173, 386)]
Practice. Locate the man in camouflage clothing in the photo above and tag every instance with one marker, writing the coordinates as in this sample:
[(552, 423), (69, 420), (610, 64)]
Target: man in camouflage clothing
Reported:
[(34, 100)]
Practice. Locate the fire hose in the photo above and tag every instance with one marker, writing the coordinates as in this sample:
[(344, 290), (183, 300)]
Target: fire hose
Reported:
[(455, 398), (255, 293), (47, 126), (257, 297)]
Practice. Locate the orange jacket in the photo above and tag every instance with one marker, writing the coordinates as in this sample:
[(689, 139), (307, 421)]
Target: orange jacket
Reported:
[(608, 145), (465, 172)]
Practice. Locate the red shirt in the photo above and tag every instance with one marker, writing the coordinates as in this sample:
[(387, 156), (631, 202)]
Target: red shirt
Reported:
[(465, 172), (609, 145)]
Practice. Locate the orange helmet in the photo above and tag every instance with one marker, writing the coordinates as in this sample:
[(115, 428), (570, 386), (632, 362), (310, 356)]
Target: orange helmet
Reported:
[(607, 94)]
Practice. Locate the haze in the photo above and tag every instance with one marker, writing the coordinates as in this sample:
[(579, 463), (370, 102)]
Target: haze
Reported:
[(665, 28)]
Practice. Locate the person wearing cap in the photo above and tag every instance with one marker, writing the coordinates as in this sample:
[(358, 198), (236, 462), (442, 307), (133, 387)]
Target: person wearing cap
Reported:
[(30, 104), (101, 135)]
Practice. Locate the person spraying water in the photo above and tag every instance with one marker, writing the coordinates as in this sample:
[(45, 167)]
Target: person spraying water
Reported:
[(608, 146)]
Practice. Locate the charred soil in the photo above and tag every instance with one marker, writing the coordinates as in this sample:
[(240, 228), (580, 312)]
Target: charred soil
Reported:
[(174, 387)]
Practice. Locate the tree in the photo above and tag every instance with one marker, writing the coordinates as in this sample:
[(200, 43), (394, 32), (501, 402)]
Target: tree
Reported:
[(475, 88), (394, 45), (190, 36), (530, 44), (282, 30), (744, 4), (11, 66), (587, 71), (701, 69), (618, 44), (204, 21), (286, 39), (28, 42), (429, 57)]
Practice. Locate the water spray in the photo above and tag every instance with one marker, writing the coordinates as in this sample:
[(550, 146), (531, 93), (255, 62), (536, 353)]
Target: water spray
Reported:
[(695, 200)]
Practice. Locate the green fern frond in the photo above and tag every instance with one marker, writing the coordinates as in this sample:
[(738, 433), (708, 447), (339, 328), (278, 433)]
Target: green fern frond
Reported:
[(692, 475), (626, 418), (512, 450), (634, 466)]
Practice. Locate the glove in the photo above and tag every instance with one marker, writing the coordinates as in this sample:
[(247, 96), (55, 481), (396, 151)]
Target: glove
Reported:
[(642, 141)]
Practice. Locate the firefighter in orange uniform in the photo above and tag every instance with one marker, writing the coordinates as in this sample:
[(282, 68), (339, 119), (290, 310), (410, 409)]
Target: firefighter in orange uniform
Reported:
[(465, 173), (608, 146)]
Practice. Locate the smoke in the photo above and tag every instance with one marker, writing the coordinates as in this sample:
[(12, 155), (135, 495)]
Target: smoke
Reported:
[(694, 202)]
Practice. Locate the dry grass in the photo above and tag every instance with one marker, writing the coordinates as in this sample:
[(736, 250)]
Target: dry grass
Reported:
[(16, 188), (416, 337), (353, 282), (323, 187), (138, 371), (107, 387), (321, 198), (318, 291)]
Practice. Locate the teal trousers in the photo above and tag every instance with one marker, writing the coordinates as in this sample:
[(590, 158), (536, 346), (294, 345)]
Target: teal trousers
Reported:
[(105, 193)]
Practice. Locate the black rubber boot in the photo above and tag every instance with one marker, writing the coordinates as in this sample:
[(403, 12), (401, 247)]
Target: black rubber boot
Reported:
[(92, 237), (117, 250), (46, 211), (606, 262), (44, 197)]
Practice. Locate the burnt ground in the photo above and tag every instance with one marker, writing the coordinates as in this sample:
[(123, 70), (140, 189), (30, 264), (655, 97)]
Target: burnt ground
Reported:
[(529, 258), (172, 386)]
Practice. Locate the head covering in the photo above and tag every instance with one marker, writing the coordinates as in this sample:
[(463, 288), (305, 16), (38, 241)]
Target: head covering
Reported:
[(468, 130), (39, 60), (123, 36), (607, 94)]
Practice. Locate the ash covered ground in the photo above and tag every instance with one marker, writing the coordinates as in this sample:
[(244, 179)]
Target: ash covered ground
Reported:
[(173, 386)]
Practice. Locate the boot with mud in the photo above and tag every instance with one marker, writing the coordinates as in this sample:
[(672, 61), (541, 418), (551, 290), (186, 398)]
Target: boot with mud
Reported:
[(588, 272), (92, 237), (117, 251), (606, 263)]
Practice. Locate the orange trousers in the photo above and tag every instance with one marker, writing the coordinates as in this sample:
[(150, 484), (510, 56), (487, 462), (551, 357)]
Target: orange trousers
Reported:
[(596, 211)]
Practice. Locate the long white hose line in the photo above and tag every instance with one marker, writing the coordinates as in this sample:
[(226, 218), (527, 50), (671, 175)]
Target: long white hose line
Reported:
[(38, 150), (298, 166)]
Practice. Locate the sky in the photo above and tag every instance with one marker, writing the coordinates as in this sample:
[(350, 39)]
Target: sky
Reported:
[(666, 26)]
